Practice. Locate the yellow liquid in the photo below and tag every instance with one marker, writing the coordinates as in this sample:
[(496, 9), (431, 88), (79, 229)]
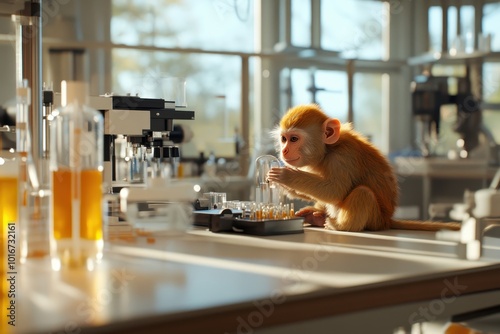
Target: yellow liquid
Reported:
[(8, 214), (77, 195), (8, 201), (8, 210), (90, 203)]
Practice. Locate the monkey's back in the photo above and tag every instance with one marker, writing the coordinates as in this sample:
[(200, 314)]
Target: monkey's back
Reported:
[(358, 160)]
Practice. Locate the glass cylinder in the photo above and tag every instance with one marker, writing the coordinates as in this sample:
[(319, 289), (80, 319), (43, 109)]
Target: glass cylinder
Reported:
[(159, 173), (137, 169), (174, 90), (266, 192), (76, 164), (33, 203)]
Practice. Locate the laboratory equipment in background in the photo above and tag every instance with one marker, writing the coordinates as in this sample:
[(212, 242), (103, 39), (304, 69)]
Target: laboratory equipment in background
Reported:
[(141, 161), (29, 133), (140, 151), (429, 94), (47, 108), (163, 207), (480, 216), (138, 132), (174, 89)]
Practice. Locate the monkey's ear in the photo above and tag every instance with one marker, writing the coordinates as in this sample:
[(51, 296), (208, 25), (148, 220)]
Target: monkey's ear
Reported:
[(331, 131)]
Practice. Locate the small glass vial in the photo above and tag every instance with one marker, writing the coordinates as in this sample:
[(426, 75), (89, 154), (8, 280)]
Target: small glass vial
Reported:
[(76, 164)]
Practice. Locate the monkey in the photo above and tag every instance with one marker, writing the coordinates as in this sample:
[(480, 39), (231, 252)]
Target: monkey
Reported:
[(352, 184)]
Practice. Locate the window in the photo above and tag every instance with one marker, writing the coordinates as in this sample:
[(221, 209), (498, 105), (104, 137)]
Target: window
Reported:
[(213, 79), (435, 28), (301, 23), (466, 42), (327, 88), (223, 25), (491, 94), (491, 82), (459, 38), (206, 47), (491, 17), (358, 29), (369, 99), (491, 71), (452, 26), (467, 14)]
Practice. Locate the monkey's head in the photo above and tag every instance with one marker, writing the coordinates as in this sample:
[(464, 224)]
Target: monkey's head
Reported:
[(303, 135)]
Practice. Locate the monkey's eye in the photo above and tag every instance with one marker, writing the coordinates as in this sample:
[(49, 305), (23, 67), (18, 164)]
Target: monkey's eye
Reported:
[(283, 139), (293, 139)]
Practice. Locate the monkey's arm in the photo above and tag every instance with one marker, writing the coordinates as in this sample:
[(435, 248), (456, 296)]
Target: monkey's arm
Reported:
[(291, 193), (315, 186)]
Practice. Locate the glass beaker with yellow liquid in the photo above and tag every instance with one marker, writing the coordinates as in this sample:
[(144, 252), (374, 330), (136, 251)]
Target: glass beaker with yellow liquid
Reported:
[(76, 164), (9, 176)]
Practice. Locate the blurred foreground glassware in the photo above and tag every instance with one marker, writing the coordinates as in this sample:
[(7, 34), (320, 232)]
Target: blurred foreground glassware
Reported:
[(76, 163), (33, 191)]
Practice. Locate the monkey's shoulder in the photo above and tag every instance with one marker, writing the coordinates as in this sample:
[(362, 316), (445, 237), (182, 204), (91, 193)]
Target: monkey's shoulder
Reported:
[(354, 151), (353, 140)]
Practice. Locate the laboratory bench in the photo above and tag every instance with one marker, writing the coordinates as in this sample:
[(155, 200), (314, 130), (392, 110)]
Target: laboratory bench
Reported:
[(203, 282), (438, 180)]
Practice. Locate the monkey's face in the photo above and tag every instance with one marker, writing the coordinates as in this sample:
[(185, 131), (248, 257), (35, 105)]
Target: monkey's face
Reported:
[(291, 143), (301, 147)]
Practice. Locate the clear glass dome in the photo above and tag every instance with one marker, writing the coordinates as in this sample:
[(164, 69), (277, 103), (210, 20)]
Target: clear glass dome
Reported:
[(262, 166)]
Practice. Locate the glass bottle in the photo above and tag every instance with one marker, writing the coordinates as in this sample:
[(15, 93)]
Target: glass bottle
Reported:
[(76, 164)]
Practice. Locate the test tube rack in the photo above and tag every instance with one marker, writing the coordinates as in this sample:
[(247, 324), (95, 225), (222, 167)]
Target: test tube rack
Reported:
[(251, 218)]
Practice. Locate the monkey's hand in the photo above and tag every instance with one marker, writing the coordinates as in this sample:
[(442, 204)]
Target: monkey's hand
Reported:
[(287, 177), (283, 175), (312, 216)]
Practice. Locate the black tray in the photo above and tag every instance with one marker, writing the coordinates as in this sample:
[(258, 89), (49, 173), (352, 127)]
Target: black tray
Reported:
[(227, 220), (269, 227)]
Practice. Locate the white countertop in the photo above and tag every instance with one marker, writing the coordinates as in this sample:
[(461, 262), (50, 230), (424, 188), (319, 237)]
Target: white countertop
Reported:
[(205, 279)]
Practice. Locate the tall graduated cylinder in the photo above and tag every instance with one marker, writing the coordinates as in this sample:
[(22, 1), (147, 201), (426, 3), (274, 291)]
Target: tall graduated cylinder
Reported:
[(33, 192), (76, 164)]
